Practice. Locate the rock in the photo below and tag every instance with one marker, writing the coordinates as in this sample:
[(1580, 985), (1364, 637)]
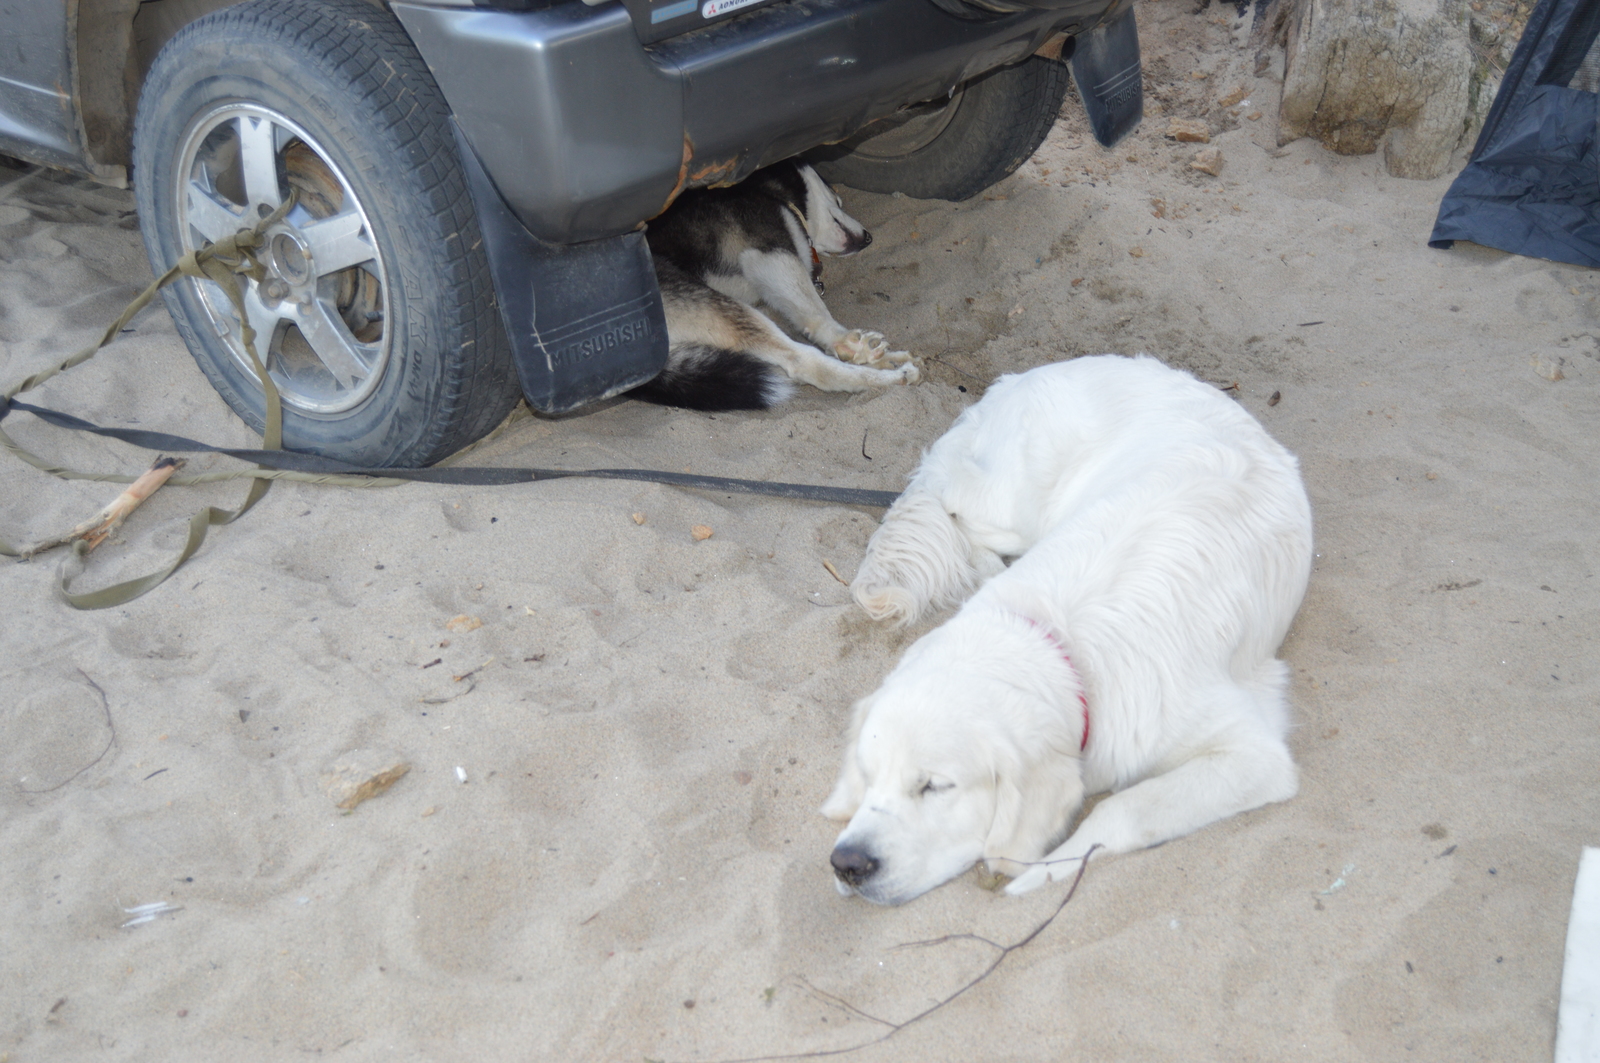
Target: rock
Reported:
[(361, 773), (1549, 367), (700, 532), (1189, 130), (1361, 75), (1207, 160)]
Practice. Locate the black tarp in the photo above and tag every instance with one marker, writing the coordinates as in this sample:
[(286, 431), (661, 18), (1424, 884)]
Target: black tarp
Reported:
[(1532, 186)]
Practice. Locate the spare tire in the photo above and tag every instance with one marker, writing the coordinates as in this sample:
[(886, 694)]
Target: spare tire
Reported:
[(953, 149)]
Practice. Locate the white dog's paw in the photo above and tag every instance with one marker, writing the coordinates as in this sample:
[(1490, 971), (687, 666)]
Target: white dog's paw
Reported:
[(1028, 881), (1057, 867), (908, 373), (860, 347), (885, 602)]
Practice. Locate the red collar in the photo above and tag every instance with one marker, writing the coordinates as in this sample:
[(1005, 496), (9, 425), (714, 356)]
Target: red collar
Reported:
[(1083, 697)]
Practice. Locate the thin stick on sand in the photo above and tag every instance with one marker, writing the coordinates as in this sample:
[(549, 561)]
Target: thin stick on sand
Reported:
[(895, 1027), (99, 527)]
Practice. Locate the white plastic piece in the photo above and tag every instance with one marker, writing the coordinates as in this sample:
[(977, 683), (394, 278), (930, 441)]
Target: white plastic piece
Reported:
[(146, 913)]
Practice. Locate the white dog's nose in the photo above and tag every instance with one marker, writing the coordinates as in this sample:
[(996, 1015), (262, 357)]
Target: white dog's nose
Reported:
[(853, 866)]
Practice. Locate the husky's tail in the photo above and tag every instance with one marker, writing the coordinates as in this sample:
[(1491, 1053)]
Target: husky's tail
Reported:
[(701, 377)]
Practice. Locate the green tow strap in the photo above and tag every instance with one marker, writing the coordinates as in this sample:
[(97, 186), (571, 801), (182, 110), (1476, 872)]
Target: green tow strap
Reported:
[(222, 262)]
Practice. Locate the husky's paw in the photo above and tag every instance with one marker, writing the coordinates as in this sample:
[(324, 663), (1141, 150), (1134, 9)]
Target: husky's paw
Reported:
[(908, 373), (860, 347)]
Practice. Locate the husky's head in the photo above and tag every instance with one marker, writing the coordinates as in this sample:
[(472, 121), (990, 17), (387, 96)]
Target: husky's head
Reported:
[(832, 231)]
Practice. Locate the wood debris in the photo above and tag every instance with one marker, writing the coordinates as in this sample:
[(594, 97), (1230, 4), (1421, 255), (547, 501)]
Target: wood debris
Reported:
[(98, 528)]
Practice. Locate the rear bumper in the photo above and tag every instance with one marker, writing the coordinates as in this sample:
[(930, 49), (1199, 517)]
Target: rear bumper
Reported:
[(587, 133)]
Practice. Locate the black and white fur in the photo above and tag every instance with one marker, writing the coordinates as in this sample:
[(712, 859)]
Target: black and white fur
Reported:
[(720, 251)]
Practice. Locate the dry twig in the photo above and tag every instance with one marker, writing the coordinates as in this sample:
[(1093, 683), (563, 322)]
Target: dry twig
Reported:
[(475, 671), (896, 1027), (98, 528)]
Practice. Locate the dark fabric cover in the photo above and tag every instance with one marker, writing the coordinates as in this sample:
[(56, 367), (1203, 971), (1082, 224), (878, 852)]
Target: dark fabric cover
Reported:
[(1532, 186)]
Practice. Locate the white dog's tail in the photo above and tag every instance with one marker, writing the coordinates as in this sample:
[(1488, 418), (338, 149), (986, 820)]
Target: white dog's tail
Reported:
[(916, 559)]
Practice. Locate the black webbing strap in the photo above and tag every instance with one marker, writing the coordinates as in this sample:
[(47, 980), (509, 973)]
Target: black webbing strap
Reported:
[(473, 476)]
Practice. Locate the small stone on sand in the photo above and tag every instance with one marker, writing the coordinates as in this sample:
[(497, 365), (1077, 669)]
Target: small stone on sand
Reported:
[(355, 776), (1207, 160)]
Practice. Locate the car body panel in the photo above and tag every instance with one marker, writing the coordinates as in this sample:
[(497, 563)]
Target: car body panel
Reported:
[(38, 117)]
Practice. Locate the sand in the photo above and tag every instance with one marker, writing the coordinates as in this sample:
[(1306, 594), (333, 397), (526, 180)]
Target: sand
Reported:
[(634, 867)]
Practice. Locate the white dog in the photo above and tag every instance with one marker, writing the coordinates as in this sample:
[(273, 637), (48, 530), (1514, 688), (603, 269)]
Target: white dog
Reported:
[(1162, 544)]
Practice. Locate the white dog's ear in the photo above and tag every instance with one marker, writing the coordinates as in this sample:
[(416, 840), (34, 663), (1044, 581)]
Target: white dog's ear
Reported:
[(917, 558), (851, 788), (1034, 805), (842, 804)]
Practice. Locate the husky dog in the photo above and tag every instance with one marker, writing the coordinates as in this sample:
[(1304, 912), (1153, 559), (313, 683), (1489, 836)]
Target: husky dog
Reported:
[(717, 252)]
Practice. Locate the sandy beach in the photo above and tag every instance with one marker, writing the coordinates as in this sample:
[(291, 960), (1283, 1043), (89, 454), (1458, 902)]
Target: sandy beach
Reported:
[(634, 867)]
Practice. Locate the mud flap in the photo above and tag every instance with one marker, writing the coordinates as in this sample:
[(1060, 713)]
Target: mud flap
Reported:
[(585, 321), (1105, 67)]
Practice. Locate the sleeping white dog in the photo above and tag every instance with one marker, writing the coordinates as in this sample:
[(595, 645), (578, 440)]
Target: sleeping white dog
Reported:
[(1161, 544)]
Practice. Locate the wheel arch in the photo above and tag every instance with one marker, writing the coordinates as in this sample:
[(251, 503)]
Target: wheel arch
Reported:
[(114, 42)]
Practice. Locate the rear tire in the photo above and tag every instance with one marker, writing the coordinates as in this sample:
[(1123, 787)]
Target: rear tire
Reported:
[(377, 319), (955, 149)]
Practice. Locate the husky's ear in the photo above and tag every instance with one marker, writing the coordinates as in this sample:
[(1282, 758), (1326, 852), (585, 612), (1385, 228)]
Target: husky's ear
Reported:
[(1034, 804), (852, 785)]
